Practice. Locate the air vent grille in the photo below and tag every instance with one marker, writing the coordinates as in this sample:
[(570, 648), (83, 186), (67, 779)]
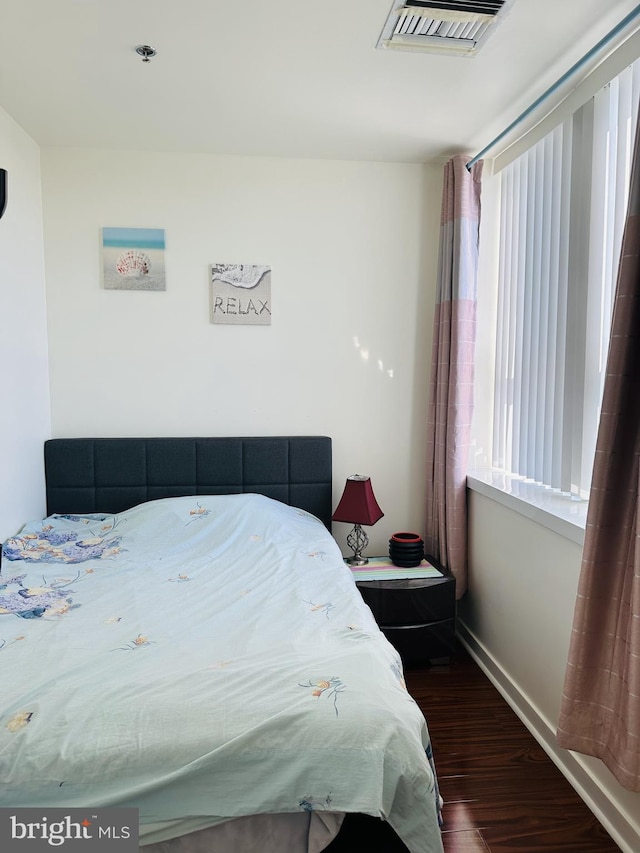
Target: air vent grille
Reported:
[(485, 7), (452, 26)]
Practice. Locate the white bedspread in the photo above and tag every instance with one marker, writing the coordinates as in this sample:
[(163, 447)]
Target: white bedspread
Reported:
[(202, 659)]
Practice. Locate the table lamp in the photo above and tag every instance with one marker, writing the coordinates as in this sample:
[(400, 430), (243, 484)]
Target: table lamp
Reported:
[(358, 506)]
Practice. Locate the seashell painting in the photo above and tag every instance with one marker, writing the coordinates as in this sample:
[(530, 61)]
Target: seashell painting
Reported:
[(133, 259), (133, 263)]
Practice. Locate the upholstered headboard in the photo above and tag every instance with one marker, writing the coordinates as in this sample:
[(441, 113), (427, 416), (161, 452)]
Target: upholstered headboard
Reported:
[(114, 474)]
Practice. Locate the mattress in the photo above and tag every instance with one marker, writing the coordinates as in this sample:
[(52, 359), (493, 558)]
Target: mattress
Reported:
[(204, 660)]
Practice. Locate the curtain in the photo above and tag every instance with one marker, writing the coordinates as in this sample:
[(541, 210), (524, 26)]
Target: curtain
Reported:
[(600, 709), (451, 388)]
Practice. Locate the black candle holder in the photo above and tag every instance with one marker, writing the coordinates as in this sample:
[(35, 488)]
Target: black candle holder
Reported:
[(406, 550)]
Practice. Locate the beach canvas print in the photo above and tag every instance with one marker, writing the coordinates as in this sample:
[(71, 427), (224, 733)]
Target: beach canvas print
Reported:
[(133, 259), (241, 294)]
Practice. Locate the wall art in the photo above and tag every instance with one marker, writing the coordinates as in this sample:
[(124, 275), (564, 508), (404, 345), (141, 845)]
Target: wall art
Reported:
[(133, 259), (241, 294)]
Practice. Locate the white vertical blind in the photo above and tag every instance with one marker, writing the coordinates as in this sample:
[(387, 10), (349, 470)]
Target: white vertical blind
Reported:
[(563, 208)]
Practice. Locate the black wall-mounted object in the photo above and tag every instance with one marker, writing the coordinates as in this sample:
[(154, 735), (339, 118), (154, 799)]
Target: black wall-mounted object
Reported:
[(3, 191)]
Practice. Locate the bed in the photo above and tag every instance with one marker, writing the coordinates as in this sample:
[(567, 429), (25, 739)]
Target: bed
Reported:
[(181, 635)]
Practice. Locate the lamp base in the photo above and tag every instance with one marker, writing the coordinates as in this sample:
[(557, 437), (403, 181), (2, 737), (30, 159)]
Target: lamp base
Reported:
[(356, 561), (357, 540)]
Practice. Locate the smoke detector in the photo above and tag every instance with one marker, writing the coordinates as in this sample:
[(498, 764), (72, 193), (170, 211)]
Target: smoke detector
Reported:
[(458, 27)]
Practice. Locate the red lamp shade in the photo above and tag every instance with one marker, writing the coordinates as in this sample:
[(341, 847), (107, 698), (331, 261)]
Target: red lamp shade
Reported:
[(358, 504)]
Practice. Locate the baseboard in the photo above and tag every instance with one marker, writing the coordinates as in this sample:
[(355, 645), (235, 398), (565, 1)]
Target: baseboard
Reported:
[(578, 775)]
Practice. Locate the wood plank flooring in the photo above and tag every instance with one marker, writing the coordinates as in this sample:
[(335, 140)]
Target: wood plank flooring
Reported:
[(502, 793)]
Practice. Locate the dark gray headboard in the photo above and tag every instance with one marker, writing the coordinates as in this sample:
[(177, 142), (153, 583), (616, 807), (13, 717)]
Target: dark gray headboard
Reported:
[(114, 474)]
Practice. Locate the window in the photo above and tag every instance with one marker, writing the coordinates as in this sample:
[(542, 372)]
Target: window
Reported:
[(562, 209)]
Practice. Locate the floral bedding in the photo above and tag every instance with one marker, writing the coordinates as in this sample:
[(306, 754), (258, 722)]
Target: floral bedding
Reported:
[(202, 659)]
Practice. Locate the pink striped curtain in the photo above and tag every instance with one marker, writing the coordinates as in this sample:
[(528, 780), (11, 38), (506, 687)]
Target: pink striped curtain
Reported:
[(600, 710), (451, 393)]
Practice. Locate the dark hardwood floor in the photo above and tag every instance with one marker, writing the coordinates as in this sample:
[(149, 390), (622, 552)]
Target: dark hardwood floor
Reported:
[(502, 793)]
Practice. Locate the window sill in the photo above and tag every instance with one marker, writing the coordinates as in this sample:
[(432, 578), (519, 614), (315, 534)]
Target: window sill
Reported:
[(560, 512)]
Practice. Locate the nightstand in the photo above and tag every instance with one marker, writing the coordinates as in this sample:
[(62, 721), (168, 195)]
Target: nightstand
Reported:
[(417, 615)]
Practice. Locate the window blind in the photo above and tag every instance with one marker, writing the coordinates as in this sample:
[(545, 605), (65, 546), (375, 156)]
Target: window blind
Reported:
[(562, 212)]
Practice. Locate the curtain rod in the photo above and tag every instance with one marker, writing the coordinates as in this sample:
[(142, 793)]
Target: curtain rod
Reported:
[(588, 55)]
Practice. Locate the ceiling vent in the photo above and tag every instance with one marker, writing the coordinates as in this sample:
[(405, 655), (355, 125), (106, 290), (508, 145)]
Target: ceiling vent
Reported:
[(442, 26)]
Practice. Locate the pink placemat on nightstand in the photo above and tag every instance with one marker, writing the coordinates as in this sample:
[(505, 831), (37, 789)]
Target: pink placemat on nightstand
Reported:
[(381, 568)]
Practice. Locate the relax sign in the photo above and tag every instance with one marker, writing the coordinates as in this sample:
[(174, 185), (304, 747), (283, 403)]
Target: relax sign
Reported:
[(241, 294)]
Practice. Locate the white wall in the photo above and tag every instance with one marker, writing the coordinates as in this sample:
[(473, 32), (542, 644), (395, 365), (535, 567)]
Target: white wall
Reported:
[(353, 249), (24, 377), (517, 618)]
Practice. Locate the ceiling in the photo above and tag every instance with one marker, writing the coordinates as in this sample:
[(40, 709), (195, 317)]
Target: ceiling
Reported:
[(288, 78)]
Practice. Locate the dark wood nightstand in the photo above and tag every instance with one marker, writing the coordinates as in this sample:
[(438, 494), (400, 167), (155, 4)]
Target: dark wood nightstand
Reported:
[(417, 615)]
